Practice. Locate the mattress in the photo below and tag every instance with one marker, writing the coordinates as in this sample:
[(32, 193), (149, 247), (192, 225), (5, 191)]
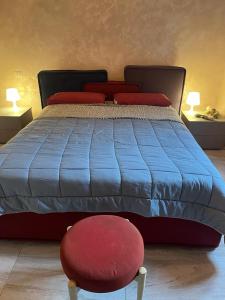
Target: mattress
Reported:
[(91, 158)]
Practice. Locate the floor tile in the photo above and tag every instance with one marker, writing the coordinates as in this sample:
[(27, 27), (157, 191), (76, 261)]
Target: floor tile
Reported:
[(11, 246), (218, 158), (182, 274), (118, 295), (20, 293), (9, 251), (11, 292), (40, 249), (38, 272)]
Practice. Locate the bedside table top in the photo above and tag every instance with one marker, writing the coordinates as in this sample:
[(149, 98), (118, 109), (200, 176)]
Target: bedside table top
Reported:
[(8, 112), (192, 118)]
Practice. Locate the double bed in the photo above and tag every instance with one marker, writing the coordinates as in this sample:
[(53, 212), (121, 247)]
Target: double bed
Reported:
[(140, 162)]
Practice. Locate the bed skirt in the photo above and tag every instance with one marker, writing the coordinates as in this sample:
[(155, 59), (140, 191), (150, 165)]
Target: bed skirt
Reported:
[(157, 230)]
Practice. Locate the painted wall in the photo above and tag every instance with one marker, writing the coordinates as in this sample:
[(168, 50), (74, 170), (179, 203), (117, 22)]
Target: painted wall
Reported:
[(222, 95), (86, 34)]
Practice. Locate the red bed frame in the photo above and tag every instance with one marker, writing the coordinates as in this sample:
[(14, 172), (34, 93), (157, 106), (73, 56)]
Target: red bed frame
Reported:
[(156, 230)]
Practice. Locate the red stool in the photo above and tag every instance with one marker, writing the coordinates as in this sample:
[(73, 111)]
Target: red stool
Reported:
[(102, 254)]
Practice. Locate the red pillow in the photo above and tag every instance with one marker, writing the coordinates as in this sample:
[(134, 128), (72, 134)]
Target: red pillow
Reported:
[(76, 98), (154, 99), (109, 88)]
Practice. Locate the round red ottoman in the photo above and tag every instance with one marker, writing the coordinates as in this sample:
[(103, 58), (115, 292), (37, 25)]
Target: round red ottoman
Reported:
[(102, 253)]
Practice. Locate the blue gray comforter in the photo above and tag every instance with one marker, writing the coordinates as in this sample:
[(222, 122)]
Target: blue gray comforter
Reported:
[(150, 167)]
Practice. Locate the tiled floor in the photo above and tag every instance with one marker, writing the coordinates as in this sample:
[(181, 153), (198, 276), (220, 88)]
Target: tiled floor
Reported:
[(218, 158), (32, 271)]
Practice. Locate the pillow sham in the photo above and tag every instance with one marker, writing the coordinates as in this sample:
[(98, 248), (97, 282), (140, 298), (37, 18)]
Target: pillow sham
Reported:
[(154, 99), (76, 98), (109, 88)]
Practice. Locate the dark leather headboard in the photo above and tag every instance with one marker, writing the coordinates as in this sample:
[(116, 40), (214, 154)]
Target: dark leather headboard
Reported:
[(54, 81), (160, 79)]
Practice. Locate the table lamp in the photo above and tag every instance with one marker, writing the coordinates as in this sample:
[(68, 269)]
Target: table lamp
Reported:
[(13, 96), (193, 99)]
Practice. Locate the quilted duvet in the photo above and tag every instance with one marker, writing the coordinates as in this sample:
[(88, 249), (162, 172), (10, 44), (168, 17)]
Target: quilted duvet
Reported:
[(147, 166)]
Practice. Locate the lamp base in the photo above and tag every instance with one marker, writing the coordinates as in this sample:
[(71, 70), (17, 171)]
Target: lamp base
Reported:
[(191, 110), (15, 108)]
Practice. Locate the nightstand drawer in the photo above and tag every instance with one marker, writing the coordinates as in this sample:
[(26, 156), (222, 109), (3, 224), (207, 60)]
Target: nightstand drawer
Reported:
[(206, 128), (12, 122), (6, 135), (212, 142), (209, 134)]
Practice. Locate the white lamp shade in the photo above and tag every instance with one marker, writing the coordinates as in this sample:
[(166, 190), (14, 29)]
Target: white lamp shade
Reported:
[(193, 98), (12, 95)]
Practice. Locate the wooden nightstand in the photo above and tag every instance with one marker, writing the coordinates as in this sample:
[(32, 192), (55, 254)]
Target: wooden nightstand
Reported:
[(209, 134), (12, 122)]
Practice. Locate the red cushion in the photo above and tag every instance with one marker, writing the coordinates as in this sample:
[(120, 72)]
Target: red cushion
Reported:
[(76, 98), (155, 99), (110, 88), (102, 253)]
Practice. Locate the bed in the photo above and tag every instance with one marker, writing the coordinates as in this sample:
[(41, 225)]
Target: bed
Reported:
[(112, 168)]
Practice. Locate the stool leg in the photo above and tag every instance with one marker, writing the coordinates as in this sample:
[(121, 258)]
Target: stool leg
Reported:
[(72, 287), (141, 282)]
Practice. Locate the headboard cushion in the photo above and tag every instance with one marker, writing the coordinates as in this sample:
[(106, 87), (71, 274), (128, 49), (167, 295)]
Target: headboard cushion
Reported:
[(110, 88), (53, 81), (168, 80)]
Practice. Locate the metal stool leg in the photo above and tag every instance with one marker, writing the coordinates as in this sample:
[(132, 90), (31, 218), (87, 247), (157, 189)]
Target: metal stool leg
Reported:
[(141, 282)]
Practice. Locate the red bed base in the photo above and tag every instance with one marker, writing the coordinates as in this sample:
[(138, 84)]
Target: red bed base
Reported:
[(156, 230)]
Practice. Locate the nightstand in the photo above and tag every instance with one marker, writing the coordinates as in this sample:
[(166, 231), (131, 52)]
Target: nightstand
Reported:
[(12, 122), (209, 134)]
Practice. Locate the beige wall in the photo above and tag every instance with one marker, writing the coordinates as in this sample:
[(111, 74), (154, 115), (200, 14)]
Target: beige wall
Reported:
[(222, 95), (85, 34)]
